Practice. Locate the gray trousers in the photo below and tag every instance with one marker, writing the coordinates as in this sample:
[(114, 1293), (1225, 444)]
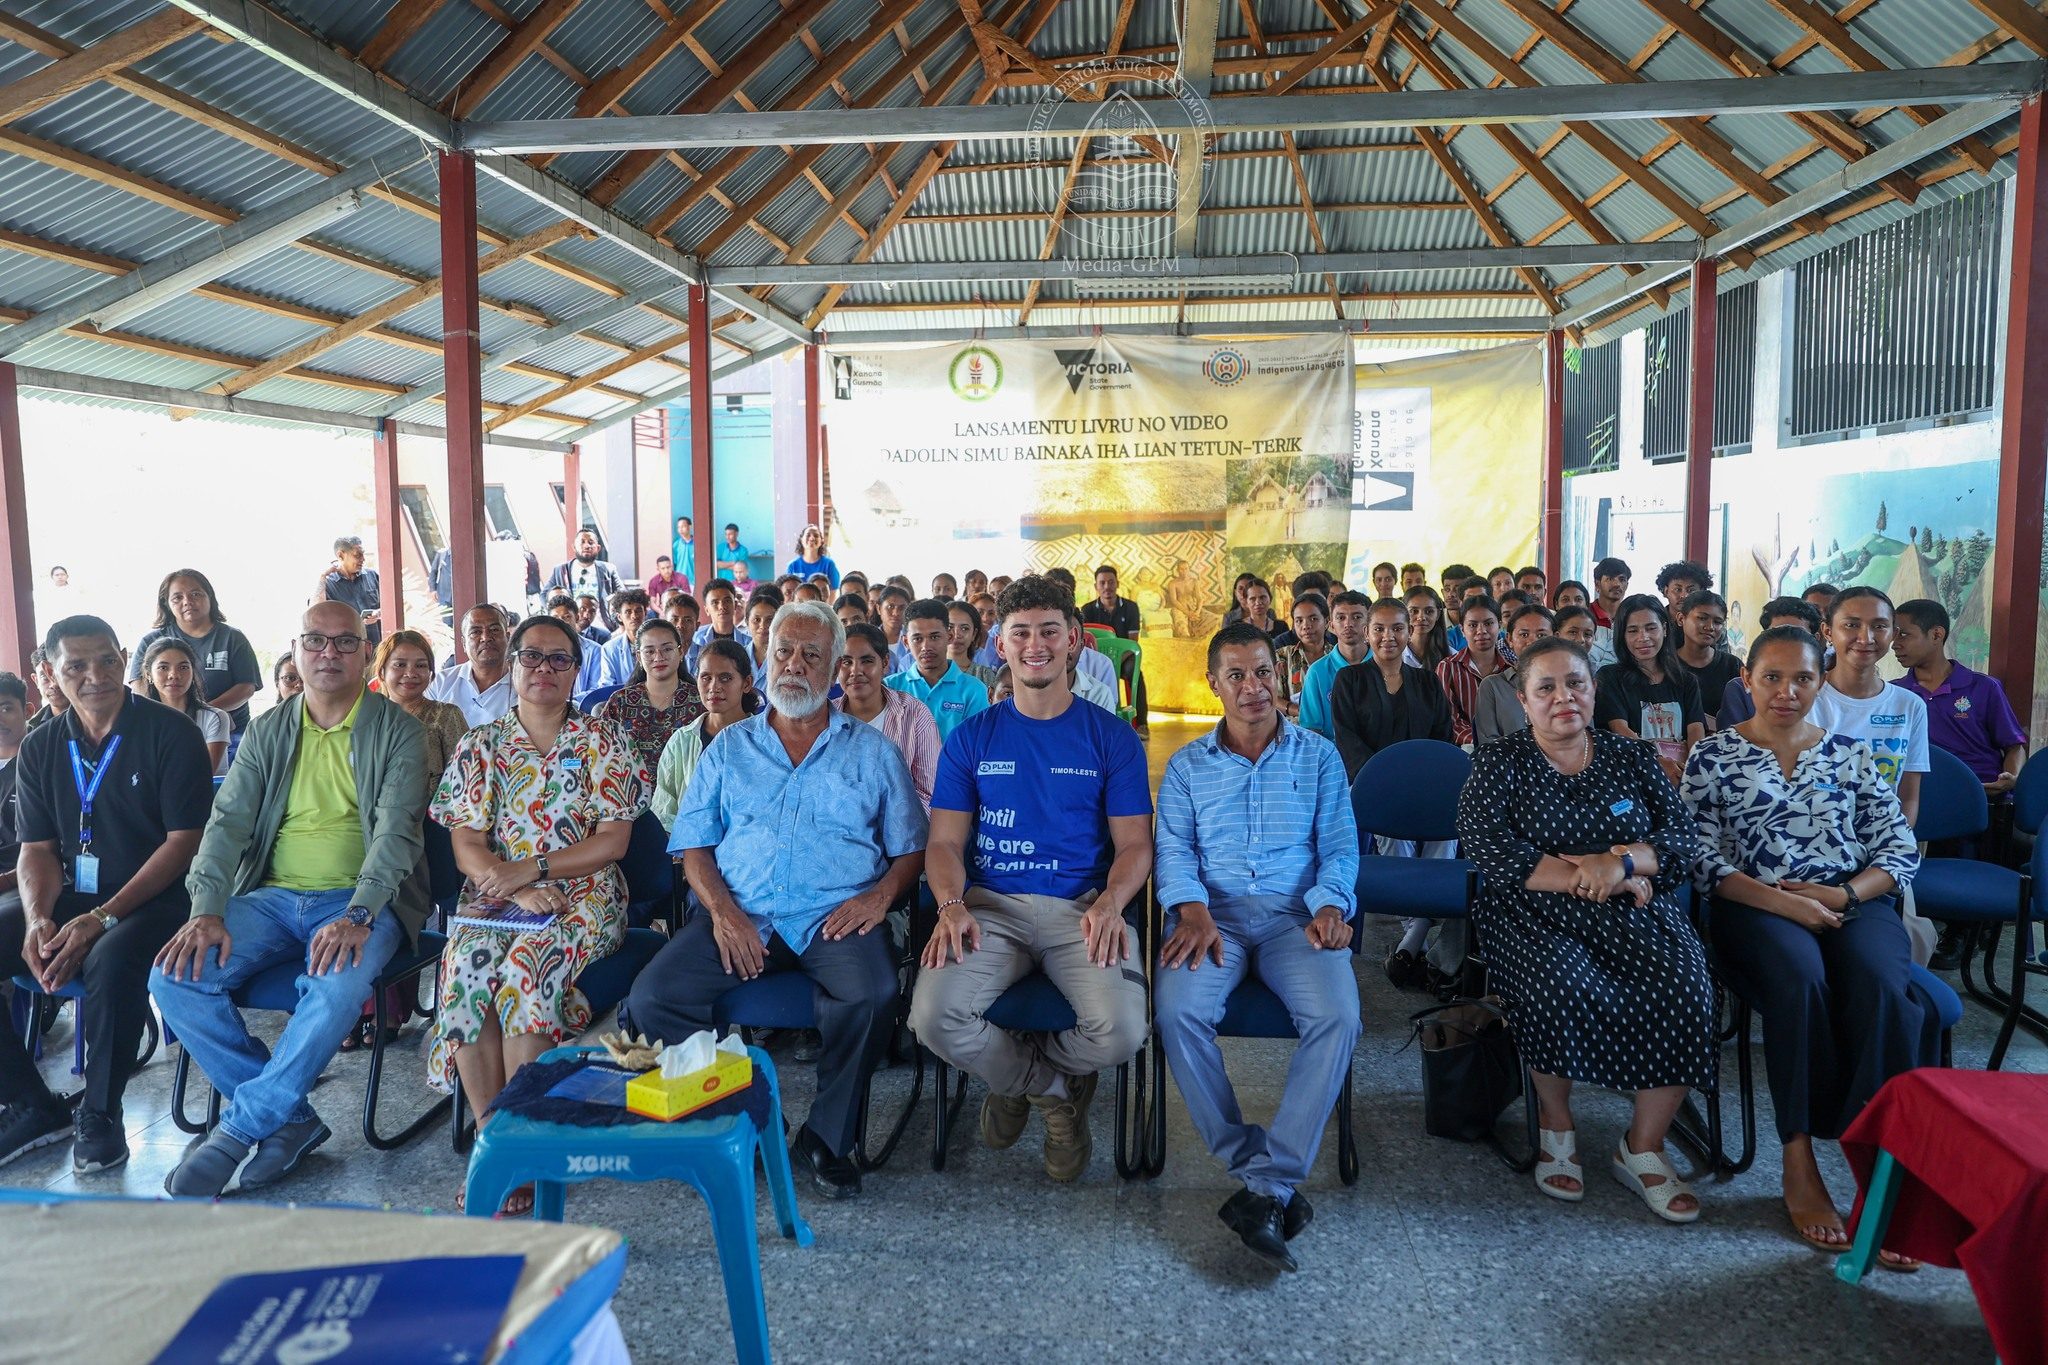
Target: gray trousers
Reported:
[(1020, 934)]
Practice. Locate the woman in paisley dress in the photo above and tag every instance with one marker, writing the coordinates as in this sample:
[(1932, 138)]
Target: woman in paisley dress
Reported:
[(1802, 847), (540, 805), (657, 700)]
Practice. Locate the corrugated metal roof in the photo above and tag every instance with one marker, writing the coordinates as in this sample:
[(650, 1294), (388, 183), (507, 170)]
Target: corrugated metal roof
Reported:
[(1369, 200)]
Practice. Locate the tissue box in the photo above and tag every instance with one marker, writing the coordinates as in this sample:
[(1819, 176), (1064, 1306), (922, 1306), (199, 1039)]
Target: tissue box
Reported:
[(656, 1096)]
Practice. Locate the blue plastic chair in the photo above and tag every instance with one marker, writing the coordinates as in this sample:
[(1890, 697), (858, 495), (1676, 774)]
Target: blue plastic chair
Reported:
[(1979, 896), (1035, 1005), (650, 872), (1253, 1011), (595, 697), (714, 1155), (26, 1023), (1410, 791)]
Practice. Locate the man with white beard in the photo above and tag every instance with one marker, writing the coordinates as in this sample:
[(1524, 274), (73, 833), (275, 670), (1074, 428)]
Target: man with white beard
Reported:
[(798, 831)]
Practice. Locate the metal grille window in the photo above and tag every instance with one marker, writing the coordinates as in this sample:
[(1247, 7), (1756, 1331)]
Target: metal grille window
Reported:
[(1900, 325), (1592, 408), (1667, 363)]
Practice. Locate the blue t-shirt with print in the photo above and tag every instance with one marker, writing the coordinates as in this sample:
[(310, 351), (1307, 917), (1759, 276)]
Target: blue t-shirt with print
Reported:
[(1042, 793)]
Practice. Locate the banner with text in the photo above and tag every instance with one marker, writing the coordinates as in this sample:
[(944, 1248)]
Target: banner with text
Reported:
[(1183, 462)]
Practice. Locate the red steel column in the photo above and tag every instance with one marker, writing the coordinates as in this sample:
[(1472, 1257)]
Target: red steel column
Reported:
[(1699, 426), (462, 369), (17, 586), (572, 498), (390, 523), (708, 535), (1551, 541), (2023, 453), (813, 429)]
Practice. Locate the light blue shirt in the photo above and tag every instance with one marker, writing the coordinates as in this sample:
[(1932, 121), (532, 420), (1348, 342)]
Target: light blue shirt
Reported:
[(1314, 701), (616, 661), (728, 553), (795, 843), (1230, 830), (987, 657), (952, 699), (901, 660), (704, 636)]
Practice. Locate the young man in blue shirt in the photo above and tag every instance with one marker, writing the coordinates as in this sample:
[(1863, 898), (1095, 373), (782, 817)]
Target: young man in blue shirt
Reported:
[(933, 678), (1257, 856), (1052, 796)]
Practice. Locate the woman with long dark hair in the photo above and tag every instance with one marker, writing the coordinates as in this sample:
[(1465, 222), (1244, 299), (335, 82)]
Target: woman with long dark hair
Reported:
[(657, 700), (1646, 693), (725, 689), (170, 674), (229, 672), (1429, 643)]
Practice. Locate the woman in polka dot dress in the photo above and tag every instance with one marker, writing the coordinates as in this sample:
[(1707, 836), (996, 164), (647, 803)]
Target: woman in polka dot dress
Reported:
[(1582, 845)]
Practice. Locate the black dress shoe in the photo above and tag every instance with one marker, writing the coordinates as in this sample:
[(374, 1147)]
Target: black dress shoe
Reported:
[(1256, 1219), (1404, 970), (1948, 950), (835, 1177), (1298, 1214)]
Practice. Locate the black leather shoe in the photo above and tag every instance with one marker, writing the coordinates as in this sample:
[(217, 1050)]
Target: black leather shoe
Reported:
[(1948, 950), (835, 1177), (1256, 1219), (1404, 970), (1298, 1214)]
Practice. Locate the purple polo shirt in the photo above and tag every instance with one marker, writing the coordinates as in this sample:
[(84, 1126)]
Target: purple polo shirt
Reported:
[(1969, 716)]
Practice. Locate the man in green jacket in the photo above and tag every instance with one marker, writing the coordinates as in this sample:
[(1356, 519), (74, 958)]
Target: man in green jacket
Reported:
[(314, 854)]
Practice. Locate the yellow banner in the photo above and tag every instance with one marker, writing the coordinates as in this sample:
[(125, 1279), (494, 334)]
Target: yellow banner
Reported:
[(1180, 461)]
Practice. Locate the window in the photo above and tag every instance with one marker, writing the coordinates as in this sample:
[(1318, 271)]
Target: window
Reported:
[(588, 520), (418, 507), (1592, 408), (498, 511), (1900, 325), (1667, 378)]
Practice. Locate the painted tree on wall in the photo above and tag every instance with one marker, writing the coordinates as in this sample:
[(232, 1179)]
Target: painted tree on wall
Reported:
[(1927, 540), (1883, 516)]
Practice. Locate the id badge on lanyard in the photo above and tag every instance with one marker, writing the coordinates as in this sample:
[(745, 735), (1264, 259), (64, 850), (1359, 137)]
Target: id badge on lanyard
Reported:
[(85, 870)]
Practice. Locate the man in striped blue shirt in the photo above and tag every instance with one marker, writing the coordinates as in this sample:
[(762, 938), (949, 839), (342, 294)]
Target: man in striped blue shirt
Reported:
[(1256, 855)]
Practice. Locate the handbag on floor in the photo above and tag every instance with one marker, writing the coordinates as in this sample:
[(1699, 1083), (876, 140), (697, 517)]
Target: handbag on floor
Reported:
[(1470, 1071)]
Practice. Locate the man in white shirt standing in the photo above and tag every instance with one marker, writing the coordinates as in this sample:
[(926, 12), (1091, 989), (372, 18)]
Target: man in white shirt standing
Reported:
[(480, 686)]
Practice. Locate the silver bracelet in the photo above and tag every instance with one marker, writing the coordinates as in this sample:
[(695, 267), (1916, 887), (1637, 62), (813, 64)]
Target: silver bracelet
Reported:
[(948, 904)]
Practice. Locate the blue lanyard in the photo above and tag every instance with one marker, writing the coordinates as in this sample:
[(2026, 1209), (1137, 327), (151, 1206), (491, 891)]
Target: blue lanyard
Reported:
[(88, 790)]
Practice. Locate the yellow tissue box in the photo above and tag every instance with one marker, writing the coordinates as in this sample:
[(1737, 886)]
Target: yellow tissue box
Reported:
[(656, 1096)]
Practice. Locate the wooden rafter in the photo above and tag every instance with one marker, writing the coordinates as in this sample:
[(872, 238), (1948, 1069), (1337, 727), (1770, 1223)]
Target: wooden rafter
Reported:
[(515, 47), (116, 177), (391, 308), (1833, 34), (1308, 213), (583, 381), (405, 19), (86, 66), (1052, 229), (2020, 19), (1301, 68), (745, 65)]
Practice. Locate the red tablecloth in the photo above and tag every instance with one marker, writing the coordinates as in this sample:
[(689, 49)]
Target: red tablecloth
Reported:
[(1973, 1148)]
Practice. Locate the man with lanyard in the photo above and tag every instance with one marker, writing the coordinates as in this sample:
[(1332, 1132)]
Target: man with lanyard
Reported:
[(1044, 801), (112, 798), (586, 575), (1256, 854), (481, 685), (314, 856)]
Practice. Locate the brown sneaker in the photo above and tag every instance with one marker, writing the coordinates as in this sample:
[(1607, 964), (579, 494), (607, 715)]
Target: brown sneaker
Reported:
[(1002, 1120), (1068, 1144)]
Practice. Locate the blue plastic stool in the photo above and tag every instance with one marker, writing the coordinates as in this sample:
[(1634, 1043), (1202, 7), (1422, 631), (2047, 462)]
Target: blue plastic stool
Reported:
[(26, 989), (715, 1155)]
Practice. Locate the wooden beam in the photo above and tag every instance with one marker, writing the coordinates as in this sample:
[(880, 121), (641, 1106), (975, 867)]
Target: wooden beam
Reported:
[(514, 48), (116, 177), (1833, 34), (405, 19), (587, 380), (391, 308), (1489, 221), (20, 98), (2020, 19), (1301, 68)]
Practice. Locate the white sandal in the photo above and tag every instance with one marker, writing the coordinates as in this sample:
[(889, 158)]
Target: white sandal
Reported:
[(1630, 1168), (1565, 1142)]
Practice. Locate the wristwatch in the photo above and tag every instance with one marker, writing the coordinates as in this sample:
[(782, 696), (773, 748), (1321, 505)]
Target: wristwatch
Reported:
[(357, 915), (1628, 860), (1850, 900), (540, 861), (107, 921)]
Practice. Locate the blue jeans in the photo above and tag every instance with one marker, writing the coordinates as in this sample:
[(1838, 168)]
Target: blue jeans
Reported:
[(263, 1090), (1321, 995)]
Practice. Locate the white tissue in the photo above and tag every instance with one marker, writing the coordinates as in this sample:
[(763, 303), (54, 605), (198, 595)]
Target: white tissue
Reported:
[(698, 1052)]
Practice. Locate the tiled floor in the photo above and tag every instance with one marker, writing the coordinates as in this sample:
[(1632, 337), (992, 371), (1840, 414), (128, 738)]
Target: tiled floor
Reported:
[(1437, 1254)]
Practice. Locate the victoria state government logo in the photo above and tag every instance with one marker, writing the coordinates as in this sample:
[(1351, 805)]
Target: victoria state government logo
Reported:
[(1225, 366), (975, 374), (1081, 367)]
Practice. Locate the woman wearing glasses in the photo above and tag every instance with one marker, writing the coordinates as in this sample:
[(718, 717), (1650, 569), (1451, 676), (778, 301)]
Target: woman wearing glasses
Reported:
[(657, 700), (540, 805)]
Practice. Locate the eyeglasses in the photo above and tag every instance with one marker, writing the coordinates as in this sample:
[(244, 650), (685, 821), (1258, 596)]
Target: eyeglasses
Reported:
[(658, 651), (343, 644), (556, 662)]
